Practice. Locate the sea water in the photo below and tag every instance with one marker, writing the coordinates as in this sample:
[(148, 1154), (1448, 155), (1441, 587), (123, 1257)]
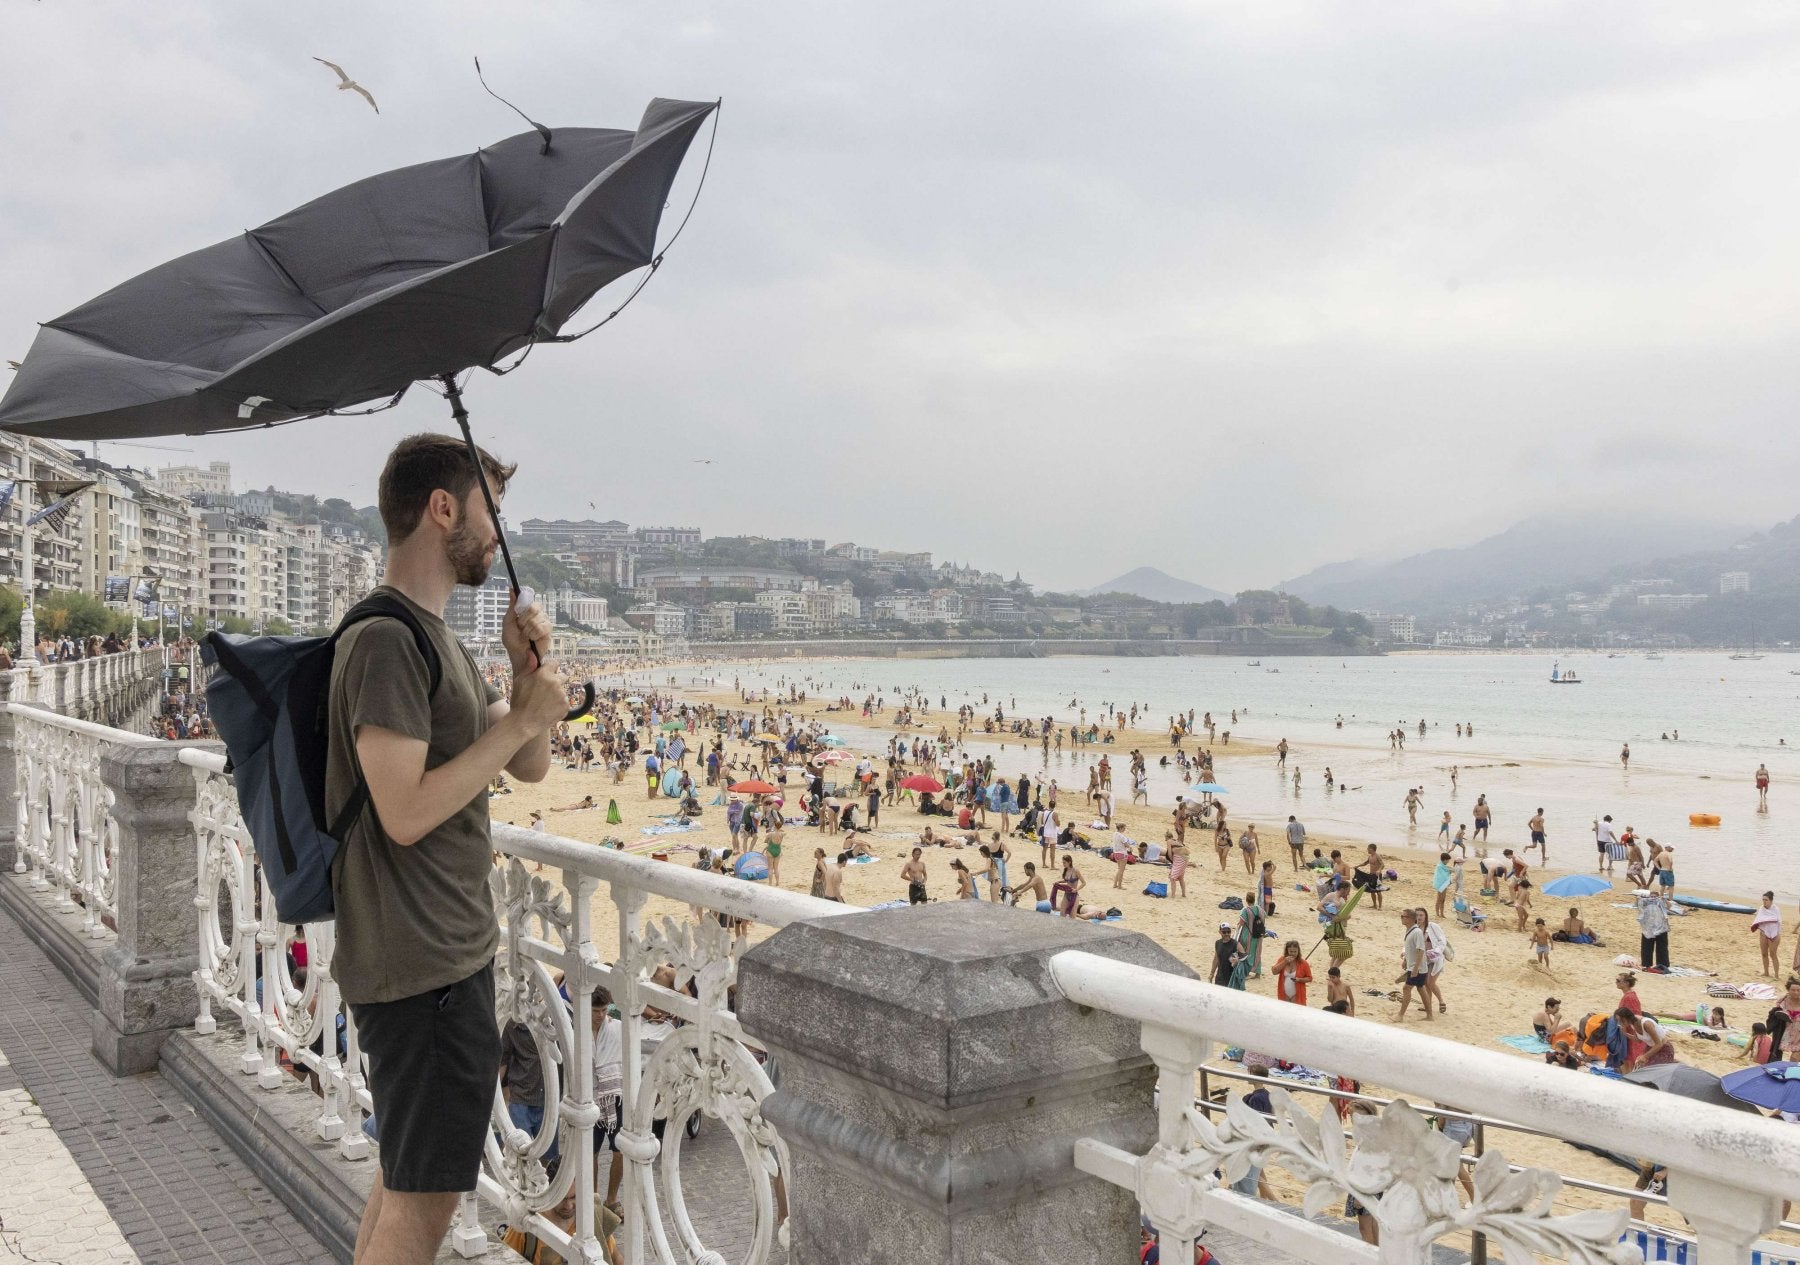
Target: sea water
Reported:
[(1698, 725)]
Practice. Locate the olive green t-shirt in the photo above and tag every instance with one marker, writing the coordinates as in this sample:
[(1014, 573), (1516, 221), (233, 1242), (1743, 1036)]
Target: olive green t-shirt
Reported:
[(409, 919)]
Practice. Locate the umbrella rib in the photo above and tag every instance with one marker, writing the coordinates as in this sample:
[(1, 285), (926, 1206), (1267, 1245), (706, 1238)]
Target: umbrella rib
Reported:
[(656, 260), (269, 257)]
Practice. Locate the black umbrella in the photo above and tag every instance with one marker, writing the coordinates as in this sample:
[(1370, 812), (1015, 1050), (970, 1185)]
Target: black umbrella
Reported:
[(1686, 1081), (414, 274)]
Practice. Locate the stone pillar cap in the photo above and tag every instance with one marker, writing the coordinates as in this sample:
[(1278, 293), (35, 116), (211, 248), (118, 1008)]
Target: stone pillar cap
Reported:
[(950, 1003)]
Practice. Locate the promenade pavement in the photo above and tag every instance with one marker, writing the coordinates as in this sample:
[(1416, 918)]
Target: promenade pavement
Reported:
[(141, 1177)]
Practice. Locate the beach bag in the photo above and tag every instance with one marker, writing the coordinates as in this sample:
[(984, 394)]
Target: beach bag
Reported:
[(1156, 889), (1449, 951), (1341, 948), (268, 700)]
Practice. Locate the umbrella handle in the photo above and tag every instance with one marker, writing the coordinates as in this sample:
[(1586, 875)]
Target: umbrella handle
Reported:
[(586, 705)]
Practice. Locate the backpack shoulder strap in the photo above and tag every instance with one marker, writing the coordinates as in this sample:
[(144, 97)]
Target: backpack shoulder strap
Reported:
[(381, 606)]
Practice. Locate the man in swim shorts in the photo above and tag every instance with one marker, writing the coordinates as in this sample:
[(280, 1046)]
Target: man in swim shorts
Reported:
[(913, 872)]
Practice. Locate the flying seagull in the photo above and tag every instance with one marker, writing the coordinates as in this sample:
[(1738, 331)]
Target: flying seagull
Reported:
[(346, 83)]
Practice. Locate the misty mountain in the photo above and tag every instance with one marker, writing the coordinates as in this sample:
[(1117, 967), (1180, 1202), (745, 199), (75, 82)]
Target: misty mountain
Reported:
[(1560, 550), (1158, 586)]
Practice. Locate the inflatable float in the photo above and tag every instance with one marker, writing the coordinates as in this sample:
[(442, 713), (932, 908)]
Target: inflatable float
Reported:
[(1720, 906), (1703, 819)]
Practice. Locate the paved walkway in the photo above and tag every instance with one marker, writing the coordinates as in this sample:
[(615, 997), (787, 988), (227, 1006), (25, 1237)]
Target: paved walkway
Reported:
[(162, 1178), (48, 1212)]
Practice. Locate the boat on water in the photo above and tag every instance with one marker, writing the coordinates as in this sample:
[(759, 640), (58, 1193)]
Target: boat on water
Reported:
[(1559, 677), (1743, 655), (1655, 656), (1254, 663)]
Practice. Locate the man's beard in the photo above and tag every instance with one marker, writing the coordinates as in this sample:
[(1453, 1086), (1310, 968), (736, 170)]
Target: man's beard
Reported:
[(468, 553)]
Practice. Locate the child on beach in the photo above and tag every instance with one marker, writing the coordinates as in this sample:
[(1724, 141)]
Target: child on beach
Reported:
[(1540, 943), (1522, 901), (1338, 989)]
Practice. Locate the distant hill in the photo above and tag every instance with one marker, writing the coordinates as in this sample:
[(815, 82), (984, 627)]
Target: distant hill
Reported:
[(1158, 586), (1552, 551)]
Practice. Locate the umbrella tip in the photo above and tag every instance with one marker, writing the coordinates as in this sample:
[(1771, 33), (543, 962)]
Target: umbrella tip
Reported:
[(541, 129)]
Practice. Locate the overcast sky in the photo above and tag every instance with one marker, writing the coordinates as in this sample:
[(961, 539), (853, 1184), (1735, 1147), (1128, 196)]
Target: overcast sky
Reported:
[(1232, 290)]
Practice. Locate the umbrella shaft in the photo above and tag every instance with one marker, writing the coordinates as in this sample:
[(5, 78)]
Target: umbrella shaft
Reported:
[(461, 414)]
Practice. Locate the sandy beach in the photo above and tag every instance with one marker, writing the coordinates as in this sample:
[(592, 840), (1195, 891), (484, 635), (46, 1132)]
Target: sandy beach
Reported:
[(1492, 988)]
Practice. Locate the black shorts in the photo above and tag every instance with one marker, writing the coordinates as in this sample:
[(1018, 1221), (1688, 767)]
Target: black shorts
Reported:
[(915, 893), (434, 1063)]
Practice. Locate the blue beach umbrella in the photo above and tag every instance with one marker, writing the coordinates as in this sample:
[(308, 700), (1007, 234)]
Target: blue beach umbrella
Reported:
[(1772, 1085), (1206, 788), (1577, 885), (832, 740)]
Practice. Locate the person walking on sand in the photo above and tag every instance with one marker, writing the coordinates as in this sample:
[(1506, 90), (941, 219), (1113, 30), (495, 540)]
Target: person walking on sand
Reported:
[(913, 875), (1248, 846), (1765, 923), (1483, 814), (1296, 837), (1604, 839), (1762, 787), (1441, 879), (1413, 967)]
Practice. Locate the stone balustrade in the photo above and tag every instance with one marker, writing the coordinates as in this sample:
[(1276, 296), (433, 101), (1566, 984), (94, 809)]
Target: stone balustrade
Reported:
[(957, 1083)]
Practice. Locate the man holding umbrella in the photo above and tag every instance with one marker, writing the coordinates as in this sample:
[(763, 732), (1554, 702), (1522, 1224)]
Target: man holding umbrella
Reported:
[(416, 933)]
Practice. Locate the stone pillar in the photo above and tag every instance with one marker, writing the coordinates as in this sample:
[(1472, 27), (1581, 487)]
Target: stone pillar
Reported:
[(146, 976), (9, 772), (932, 1083)]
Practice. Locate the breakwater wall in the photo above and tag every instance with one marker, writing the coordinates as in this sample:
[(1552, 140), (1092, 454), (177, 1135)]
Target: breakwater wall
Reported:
[(1018, 648)]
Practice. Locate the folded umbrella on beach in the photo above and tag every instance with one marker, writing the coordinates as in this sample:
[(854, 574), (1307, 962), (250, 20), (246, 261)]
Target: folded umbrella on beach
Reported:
[(1775, 1086), (1687, 1082), (1576, 885)]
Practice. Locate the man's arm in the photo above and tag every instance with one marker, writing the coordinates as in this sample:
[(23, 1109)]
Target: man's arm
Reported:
[(411, 801), (531, 762)]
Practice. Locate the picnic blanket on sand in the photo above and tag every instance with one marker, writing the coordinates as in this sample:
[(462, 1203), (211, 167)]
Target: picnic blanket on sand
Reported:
[(1529, 1043), (673, 828)]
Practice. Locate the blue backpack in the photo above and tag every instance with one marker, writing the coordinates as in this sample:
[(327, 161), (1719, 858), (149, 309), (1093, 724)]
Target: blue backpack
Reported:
[(269, 701)]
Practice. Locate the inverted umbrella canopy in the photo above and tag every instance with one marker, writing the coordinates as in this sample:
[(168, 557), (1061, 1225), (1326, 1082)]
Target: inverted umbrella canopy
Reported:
[(413, 274), (1577, 885)]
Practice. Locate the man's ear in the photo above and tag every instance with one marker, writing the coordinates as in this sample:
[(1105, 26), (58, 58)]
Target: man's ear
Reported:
[(441, 508)]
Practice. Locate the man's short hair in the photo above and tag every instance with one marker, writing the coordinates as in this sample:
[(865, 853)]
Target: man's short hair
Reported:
[(421, 464)]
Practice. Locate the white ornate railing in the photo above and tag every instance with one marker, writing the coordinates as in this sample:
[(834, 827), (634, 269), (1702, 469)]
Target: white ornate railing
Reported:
[(1728, 1171), (65, 829), (702, 1064)]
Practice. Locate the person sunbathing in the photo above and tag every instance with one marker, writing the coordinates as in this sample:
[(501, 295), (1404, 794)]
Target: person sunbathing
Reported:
[(581, 805), (1575, 931)]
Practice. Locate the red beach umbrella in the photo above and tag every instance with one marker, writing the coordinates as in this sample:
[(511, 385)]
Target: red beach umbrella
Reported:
[(752, 787), (922, 782)]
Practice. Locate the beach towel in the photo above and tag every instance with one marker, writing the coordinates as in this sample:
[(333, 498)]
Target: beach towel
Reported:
[(1688, 972), (863, 860), (674, 828), (1530, 1043), (1759, 992), (891, 904)]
